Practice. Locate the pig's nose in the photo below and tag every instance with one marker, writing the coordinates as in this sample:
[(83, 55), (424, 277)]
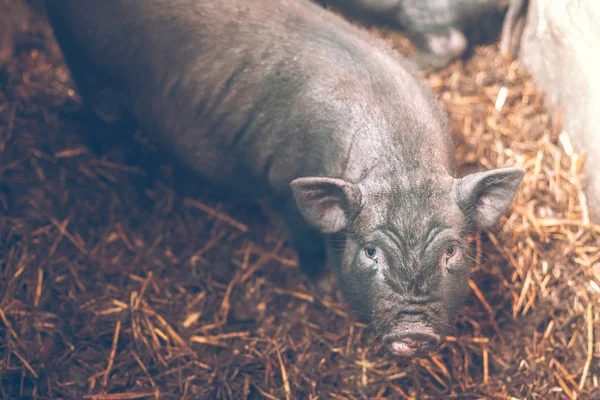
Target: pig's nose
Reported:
[(411, 344)]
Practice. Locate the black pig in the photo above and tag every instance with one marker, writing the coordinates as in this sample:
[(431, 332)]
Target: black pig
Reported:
[(285, 100)]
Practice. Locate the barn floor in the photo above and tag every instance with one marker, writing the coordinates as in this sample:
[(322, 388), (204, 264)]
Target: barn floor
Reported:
[(124, 277)]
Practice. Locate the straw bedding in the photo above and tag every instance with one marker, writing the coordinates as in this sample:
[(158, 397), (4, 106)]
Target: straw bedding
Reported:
[(124, 277)]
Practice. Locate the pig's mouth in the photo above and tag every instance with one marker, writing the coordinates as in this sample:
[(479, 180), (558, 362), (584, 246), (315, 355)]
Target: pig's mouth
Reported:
[(412, 343)]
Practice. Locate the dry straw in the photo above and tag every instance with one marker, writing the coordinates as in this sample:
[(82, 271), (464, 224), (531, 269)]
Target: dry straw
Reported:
[(125, 278)]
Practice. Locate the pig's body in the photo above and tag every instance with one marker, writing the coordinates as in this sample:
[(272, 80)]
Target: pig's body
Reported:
[(284, 100), (253, 97)]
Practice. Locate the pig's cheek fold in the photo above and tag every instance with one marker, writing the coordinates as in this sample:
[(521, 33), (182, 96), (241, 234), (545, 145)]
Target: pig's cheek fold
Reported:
[(443, 262), (350, 262)]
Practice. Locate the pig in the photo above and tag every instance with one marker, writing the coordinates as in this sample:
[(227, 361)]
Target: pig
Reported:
[(437, 27), (285, 101)]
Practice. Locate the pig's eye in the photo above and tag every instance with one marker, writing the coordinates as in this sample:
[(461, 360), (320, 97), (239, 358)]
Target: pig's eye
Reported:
[(446, 256), (371, 252)]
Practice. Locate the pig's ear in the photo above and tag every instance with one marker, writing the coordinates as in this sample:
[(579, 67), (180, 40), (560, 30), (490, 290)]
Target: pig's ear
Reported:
[(485, 196), (328, 204)]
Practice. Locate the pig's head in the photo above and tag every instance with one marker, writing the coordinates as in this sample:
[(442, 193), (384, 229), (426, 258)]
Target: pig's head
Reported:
[(404, 262)]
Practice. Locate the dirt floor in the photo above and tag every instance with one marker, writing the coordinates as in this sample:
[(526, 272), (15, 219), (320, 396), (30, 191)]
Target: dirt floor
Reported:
[(125, 277)]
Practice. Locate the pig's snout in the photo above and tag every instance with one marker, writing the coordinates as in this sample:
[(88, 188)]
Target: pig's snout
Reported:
[(413, 342)]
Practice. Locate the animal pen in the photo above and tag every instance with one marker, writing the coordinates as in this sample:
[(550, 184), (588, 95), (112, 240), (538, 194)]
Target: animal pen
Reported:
[(123, 277)]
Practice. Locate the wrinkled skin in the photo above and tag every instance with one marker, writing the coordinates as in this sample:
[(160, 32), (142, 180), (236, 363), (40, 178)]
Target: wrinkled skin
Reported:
[(439, 27), (411, 284), (405, 264), (283, 100)]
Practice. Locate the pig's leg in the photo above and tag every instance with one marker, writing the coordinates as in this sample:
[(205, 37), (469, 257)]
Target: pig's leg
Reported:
[(439, 49), (96, 89), (308, 242), (109, 125), (328, 282), (98, 97)]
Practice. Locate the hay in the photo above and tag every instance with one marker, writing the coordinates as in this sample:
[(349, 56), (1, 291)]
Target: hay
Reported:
[(123, 277)]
